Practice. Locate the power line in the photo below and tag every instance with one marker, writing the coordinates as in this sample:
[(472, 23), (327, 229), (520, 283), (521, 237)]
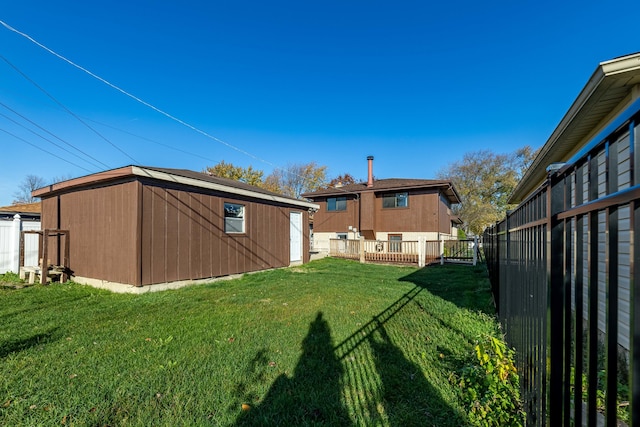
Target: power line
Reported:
[(171, 147), (135, 98), (36, 134), (65, 108), (139, 100), (42, 149), (52, 134)]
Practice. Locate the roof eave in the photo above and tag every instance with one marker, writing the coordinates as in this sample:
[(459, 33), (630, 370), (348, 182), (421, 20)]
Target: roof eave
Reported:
[(598, 83), (130, 171)]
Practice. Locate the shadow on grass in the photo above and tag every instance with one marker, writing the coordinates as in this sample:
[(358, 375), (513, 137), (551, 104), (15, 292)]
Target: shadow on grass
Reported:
[(9, 347), (407, 397), (312, 396), (463, 285), (367, 376)]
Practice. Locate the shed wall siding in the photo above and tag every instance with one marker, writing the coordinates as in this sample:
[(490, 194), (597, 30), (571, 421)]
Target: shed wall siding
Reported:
[(102, 225), (183, 236)]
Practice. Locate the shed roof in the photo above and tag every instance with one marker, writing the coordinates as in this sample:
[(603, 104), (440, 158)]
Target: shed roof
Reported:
[(611, 84), (177, 176), (389, 184)]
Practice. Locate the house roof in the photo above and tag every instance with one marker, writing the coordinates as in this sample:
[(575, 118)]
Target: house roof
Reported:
[(608, 91), (390, 184), (178, 176), (30, 208)]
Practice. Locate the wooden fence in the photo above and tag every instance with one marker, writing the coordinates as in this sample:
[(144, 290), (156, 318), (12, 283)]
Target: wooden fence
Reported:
[(420, 252)]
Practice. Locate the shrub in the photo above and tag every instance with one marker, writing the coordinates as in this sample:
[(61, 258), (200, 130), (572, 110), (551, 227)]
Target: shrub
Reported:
[(490, 386)]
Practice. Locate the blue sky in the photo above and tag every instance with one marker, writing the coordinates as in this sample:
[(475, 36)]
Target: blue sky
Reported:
[(414, 83)]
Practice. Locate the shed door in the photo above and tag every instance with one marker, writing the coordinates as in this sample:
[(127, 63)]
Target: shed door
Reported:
[(295, 236)]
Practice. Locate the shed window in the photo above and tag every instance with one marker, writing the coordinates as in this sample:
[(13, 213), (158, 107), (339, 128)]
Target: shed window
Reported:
[(233, 218), (396, 200), (337, 204)]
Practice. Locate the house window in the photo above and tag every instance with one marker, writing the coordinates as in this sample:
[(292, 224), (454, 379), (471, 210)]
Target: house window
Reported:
[(337, 204), (395, 242), (233, 218), (396, 200), (342, 236)]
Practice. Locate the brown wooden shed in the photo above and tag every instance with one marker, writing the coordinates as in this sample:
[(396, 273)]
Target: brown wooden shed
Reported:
[(138, 226)]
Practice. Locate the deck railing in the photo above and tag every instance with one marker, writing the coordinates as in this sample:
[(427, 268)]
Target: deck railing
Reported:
[(344, 248), (420, 252), (564, 267)]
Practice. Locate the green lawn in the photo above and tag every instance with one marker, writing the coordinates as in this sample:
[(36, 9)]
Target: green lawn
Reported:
[(332, 342)]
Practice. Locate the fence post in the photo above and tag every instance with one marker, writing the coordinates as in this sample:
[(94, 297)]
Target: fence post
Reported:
[(441, 251), (362, 249), (556, 294), (14, 246), (422, 242), (475, 250)]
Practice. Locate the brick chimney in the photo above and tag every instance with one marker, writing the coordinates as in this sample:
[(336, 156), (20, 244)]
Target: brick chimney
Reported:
[(370, 179)]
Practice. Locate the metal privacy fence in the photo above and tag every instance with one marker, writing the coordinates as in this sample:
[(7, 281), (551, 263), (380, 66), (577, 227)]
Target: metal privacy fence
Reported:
[(563, 267)]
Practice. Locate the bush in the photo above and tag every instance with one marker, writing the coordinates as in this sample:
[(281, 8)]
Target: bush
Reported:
[(490, 386)]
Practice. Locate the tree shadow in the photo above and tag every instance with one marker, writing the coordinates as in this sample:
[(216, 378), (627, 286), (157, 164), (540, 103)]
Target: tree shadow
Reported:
[(463, 285), (9, 347), (407, 397), (312, 396)]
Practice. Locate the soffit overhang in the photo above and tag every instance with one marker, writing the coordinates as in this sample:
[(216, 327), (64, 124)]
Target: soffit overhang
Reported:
[(611, 88)]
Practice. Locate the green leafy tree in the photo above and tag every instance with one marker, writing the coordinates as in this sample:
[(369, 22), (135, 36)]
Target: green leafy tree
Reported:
[(247, 175), (296, 179), (485, 180)]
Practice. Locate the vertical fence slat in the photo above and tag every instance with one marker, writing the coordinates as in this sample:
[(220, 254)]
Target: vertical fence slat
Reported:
[(634, 359), (611, 402)]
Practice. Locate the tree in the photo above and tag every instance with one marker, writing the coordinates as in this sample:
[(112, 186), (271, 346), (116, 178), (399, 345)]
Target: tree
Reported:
[(247, 175), (60, 178), (28, 184), (291, 181), (296, 179), (344, 179), (485, 181)]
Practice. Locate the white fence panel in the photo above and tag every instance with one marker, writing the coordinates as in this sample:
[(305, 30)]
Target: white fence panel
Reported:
[(10, 244), (6, 246)]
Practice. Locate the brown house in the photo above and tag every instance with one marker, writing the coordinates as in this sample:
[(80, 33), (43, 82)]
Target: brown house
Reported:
[(385, 209), (138, 226)]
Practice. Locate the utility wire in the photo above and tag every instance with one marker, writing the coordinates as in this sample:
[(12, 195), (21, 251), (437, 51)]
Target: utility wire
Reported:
[(38, 135), (135, 98), (141, 101), (53, 135), (171, 147), (65, 108), (42, 149)]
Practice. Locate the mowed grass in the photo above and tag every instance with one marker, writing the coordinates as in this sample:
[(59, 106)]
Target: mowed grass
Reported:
[(332, 342)]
